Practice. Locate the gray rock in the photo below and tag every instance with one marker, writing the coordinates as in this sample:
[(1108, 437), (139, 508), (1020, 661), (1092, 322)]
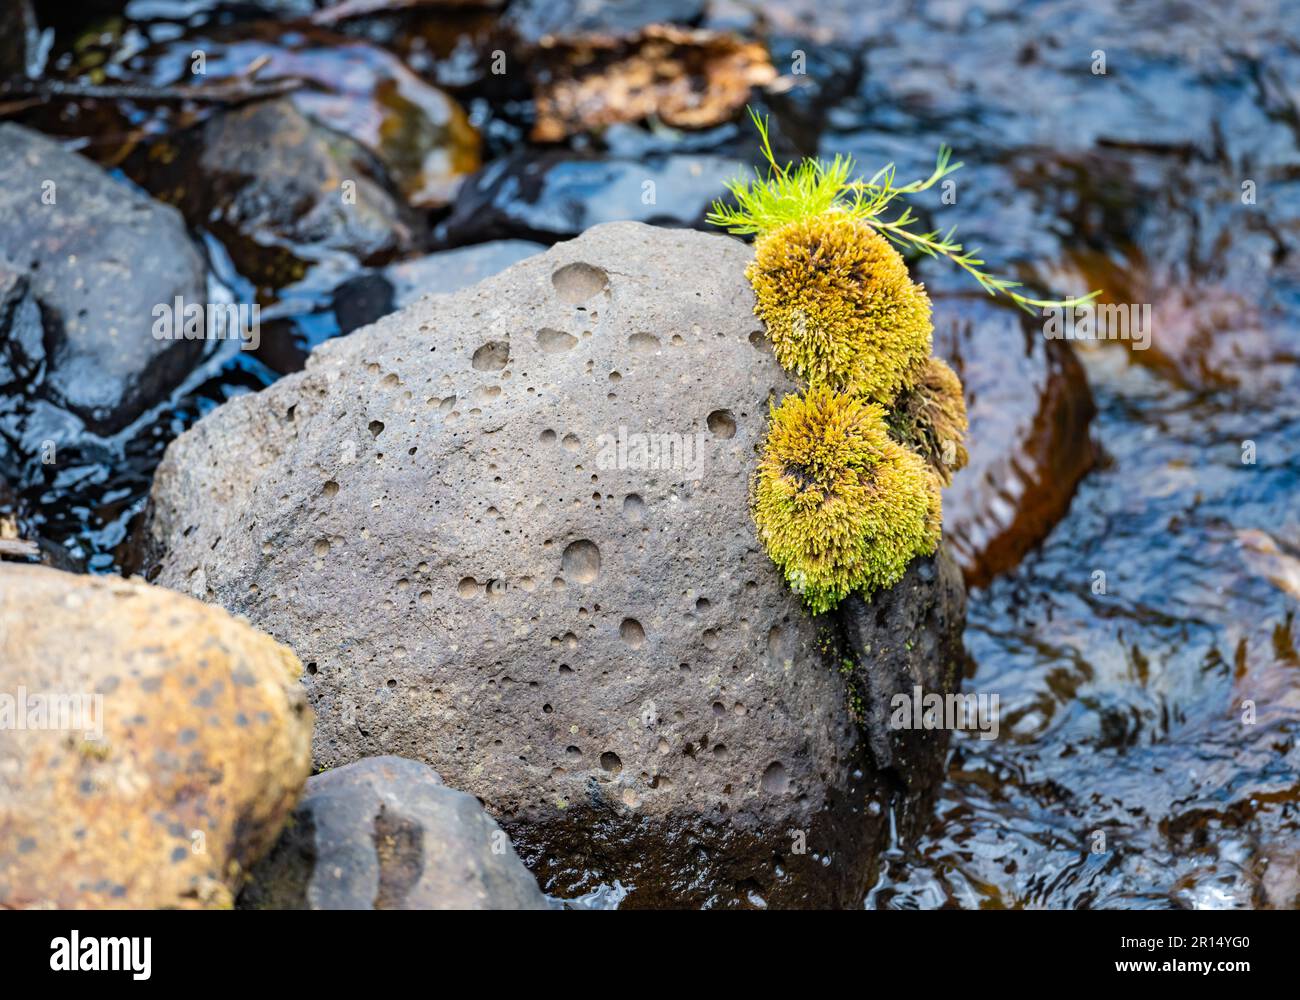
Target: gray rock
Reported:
[(437, 517), (352, 87), (386, 834), (550, 196), (98, 260), (371, 296)]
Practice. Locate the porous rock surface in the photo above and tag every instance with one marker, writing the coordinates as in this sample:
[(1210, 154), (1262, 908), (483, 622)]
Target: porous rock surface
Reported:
[(436, 515), (386, 834), (151, 747)]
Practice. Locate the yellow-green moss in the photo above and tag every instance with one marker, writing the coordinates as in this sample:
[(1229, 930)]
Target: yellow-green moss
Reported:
[(839, 505), (930, 418), (840, 307)]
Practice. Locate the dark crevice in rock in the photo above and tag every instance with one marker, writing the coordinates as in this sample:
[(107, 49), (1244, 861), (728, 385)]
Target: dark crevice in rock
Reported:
[(400, 850)]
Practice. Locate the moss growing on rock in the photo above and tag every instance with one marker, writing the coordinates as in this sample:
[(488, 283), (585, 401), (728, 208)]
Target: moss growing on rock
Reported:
[(840, 307), (930, 418), (839, 505), (847, 492)]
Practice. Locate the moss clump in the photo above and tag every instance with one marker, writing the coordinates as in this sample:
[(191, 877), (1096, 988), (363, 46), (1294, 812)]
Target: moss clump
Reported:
[(840, 307), (840, 506), (847, 490), (930, 418)]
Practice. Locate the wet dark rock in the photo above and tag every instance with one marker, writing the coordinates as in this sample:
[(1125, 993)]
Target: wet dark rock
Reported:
[(434, 514), (420, 134), (22, 328), (1029, 407), (554, 196), (92, 266), (386, 834), (1218, 276), (20, 540), (450, 46), (907, 638), (281, 192), (367, 297)]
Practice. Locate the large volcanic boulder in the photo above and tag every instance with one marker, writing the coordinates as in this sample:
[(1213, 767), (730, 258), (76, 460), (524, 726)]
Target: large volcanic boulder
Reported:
[(151, 747), (507, 530)]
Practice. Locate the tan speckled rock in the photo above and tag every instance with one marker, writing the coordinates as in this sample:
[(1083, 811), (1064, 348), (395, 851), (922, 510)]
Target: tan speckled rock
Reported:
[(174, 753)]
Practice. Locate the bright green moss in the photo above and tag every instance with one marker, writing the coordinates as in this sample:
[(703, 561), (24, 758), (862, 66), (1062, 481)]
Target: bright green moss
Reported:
[(840, 507), (840, 307), (847, 489), (792, 193)]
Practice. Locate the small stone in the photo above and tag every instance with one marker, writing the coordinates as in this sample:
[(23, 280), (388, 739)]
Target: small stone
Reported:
[(386, 834)]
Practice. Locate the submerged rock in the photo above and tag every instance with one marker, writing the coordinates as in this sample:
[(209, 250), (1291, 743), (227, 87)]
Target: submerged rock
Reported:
[(368, 297), (455, 518), (1029, 407), (554, 196), (88, 259), (1206, 301), (181, 742), (386, 834)]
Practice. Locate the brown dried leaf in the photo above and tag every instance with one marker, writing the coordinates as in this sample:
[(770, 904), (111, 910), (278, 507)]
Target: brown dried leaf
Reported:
[(688, 79)]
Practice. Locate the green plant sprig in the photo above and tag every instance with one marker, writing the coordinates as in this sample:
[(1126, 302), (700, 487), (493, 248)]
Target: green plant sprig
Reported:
[(814, 186)]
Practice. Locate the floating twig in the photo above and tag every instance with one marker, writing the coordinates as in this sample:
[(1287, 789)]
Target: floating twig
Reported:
[(237, 91)]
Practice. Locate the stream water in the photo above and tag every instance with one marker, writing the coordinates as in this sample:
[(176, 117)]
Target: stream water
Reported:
[(1145, 655)]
